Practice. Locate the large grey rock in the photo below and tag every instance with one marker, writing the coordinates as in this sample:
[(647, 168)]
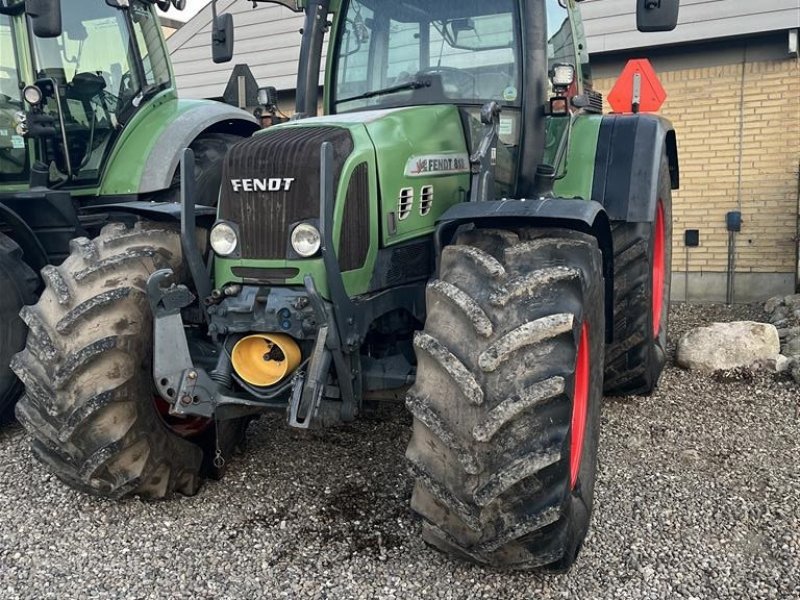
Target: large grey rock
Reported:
[(728, 346)]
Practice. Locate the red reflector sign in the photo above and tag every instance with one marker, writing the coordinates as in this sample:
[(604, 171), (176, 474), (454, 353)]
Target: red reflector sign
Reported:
[(638, 89)]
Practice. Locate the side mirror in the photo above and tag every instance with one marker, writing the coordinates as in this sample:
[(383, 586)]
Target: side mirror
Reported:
[(222, 38), (657, 15), (45, 17)]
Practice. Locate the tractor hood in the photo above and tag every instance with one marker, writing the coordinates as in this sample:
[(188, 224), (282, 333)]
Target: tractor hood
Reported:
[(395, 172)]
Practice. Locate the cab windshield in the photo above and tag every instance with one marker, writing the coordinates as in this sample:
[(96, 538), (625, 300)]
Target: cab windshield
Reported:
[(13, 155), (400, 52)]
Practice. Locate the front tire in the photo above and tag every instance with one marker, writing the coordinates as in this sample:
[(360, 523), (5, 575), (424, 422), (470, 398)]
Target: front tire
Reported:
[(506, 404), (89, 403)]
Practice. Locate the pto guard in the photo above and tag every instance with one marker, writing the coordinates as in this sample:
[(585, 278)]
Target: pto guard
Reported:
[(264, 360), (192, 391)]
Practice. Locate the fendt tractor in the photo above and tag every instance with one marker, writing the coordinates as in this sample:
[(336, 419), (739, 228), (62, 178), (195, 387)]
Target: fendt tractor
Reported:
[(91, 131), (463, 228)]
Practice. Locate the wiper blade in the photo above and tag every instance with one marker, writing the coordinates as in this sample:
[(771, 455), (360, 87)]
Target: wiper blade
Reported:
[(416, 84)]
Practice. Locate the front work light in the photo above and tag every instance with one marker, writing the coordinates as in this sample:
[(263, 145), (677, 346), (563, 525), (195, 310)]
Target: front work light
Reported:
[(32, 95), (562, 76), (224, 239), (306, 240)]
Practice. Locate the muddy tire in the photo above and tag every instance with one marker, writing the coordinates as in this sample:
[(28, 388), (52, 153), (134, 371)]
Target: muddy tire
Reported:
[(510, 359), (642, 273), (88, 402), (18, 282)]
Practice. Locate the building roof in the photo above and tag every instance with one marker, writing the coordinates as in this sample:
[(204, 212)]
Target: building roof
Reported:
[(611, 24), (268, 37)]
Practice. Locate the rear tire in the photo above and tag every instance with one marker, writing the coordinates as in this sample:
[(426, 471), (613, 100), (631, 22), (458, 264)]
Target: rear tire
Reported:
[(88, 403), (636, 359), (504, 476), (18, 283)]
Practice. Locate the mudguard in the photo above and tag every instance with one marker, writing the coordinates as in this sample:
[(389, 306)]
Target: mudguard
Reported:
[(146, 156), (163, 161), (586, 216), (627, 165)]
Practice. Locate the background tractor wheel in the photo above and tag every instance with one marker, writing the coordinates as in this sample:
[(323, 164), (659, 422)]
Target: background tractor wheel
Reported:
[(209, 153), (18, 283), (506, 404), (89, 402), (642, 275)]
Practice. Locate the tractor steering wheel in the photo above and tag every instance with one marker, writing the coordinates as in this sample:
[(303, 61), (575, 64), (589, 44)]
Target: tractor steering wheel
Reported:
[(468, 80)]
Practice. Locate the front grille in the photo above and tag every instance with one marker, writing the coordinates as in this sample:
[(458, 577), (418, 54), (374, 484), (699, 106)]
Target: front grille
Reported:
[(265, 217), (265, 275)]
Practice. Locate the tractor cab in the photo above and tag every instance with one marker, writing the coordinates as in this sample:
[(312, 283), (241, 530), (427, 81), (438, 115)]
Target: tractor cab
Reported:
[(395, 54), (65, 99)]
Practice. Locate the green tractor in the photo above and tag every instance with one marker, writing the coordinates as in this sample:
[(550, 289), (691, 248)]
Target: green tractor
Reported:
[(91, 130), (463, 228)]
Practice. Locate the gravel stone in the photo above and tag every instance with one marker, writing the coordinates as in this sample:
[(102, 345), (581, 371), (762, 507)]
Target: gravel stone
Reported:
[(698, 497)]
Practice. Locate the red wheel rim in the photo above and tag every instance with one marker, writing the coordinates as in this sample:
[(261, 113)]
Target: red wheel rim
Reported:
[(580, 404), (185, 427), (659, 268)]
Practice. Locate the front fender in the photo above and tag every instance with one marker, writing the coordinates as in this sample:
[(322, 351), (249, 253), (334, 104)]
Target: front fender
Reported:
[(147, 154), (628, 162)]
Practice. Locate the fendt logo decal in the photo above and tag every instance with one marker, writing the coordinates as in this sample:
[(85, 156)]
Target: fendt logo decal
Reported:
[(437, 164), (274, 184)]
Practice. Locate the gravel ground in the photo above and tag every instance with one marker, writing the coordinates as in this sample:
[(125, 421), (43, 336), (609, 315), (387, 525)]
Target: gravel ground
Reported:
[(698, 497)]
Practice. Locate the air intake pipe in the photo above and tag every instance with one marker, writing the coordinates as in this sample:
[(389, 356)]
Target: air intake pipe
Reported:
[(311, 58)]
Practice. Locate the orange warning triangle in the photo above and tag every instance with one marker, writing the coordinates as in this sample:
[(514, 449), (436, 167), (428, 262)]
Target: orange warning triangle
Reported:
[(638, 73)]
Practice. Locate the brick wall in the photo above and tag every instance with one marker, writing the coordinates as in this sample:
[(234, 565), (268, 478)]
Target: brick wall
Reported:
[(752, 108)]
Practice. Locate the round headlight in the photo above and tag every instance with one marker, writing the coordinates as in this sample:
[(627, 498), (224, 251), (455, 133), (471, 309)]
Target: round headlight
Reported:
[(33, 95), (306, 240), (223, 239)]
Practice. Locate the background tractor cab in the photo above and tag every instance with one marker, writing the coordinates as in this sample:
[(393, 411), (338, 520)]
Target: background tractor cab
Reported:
[(91, 128), (83, 76)]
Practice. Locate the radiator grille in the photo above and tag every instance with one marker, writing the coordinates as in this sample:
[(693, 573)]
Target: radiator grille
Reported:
[(264, 218), (354, 245)]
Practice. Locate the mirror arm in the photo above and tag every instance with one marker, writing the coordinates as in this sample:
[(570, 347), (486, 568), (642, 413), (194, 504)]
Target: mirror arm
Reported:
[(12, 11)]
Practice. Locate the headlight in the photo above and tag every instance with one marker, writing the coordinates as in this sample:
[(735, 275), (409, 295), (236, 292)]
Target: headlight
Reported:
[(33, 95), (306, 240), (223, 239)]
